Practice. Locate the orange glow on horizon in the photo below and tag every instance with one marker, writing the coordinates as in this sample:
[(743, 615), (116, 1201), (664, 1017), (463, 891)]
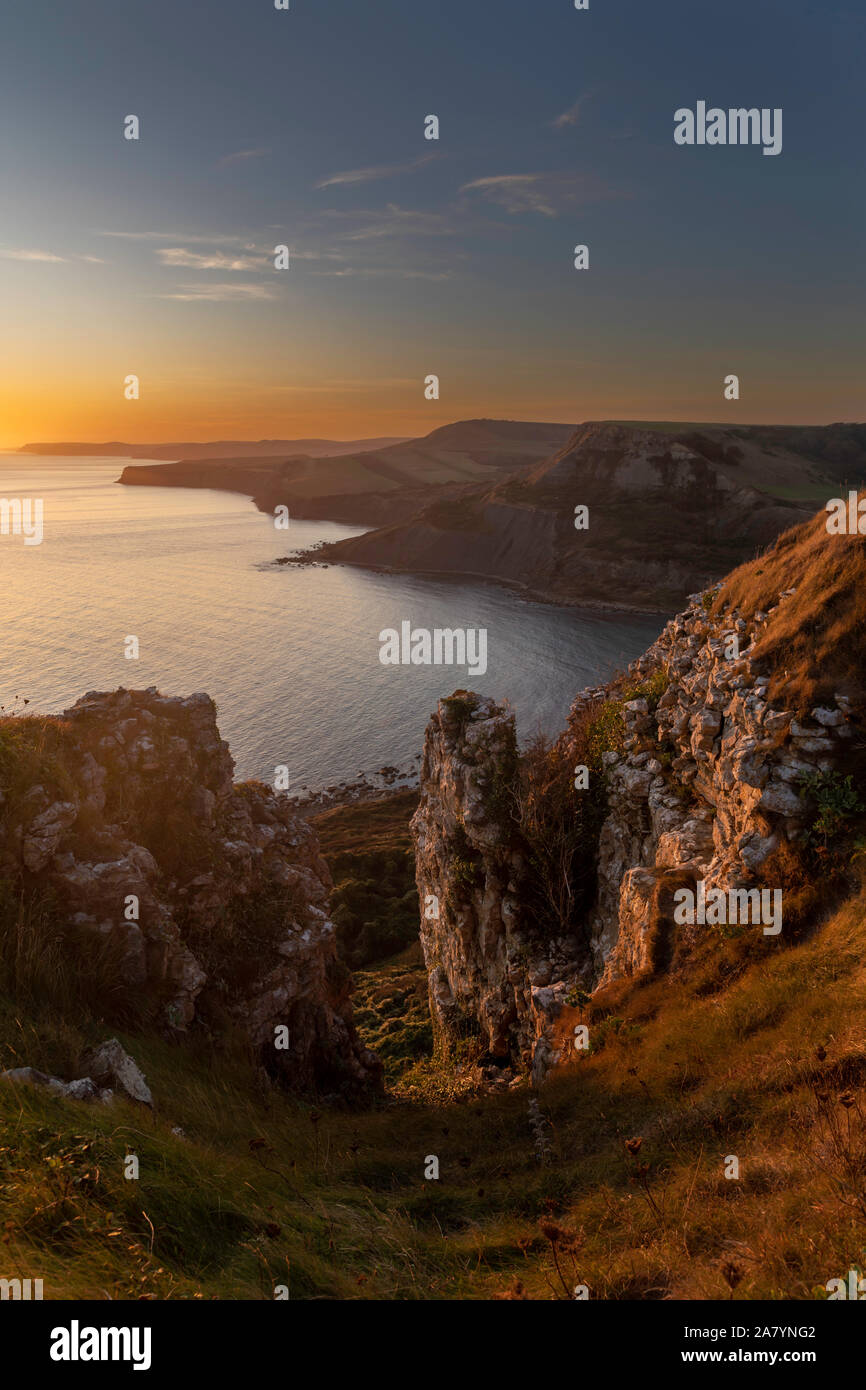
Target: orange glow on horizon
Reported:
[(30, 415)]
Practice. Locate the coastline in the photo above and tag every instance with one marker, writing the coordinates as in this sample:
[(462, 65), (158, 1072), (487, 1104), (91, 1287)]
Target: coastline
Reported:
[(314, 556), (591, 607)]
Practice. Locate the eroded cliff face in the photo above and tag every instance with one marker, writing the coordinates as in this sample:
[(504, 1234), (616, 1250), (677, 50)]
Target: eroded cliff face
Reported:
[(703, 783), (211, 898), (708, 784), (671, 511)]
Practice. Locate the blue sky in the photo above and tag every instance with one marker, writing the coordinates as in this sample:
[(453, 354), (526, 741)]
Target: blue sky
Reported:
[(411, 257)]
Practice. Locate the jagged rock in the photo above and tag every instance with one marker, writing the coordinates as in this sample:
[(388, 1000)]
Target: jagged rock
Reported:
[(82, 1089), (45, 832), (111, 1065), (29, 1076), (736, 770), (706, 787), (754, 849), (691, 843), (830, 718), (155, 854), (631, 954), (466, 861), (782, 799), (488, 973)]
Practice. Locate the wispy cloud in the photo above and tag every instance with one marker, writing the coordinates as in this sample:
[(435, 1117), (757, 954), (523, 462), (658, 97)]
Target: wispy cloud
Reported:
[(546, 194), (397, 221), (394, 272), (220, 293), (31, 256), (375, 172), (573, 114), (316, 255), (213, 260), (515, 192), (241, 155), (208, 239)]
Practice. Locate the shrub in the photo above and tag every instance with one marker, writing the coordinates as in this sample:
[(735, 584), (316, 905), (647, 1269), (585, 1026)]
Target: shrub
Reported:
[(837, 805), (560, 828), (374, 905), (651, 689), (460, 705)]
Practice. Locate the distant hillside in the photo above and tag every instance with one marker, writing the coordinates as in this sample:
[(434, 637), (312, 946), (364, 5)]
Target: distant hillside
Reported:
[(373, 486), (217, 448), (671, 508)]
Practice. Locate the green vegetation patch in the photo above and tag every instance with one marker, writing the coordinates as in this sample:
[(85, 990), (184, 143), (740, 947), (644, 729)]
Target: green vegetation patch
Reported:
[(374, 904)]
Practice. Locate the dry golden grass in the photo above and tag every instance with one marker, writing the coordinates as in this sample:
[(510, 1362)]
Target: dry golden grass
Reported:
[(766, 1061), (813, 647)]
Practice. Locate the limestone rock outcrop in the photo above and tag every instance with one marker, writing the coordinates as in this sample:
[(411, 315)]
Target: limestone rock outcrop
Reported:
[(487, 979), (727, 793), (212, 898), (702, 784)]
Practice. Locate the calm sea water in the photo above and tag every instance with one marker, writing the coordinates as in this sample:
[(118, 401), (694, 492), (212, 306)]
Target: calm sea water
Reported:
[(290, 655)]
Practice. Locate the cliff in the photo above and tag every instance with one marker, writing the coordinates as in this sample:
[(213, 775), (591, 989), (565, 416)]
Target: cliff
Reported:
[(135, 863), (368, 486), (671, 509), (722, 759)]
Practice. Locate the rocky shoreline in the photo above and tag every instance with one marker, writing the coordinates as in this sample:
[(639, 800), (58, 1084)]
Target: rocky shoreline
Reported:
[(311, 559), (388, 781)]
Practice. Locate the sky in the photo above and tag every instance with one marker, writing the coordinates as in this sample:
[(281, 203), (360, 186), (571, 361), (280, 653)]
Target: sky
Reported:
[(412, 257)]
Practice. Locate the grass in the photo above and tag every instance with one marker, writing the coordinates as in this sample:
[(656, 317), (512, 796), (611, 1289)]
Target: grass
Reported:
[(368, 849), (366, 826), (47, 963), (392, 1013), (34, 750), (264, 1190), (812, 647), (746, 1048)]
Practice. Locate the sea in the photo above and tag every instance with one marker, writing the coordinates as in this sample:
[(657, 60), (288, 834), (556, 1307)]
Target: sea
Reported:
[(290, 654)]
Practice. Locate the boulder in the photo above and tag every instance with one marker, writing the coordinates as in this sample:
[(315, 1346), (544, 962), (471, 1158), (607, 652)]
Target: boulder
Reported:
[(111, 1065)]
